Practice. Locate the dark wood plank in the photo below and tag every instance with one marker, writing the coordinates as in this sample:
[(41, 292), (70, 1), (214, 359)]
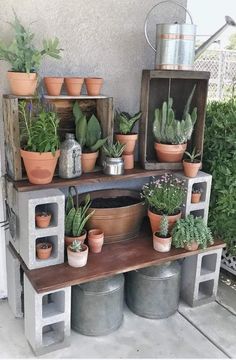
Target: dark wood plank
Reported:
[(179, 74)]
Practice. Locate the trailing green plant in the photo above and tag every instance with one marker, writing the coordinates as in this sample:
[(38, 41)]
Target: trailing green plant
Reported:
[(164, 195), (164, 226), (76, 246), (88, 132), (192, 157), (167, 129), (126, 121), (189, 230), (220, 160), (22, 54), (113, 150), (38, 129)]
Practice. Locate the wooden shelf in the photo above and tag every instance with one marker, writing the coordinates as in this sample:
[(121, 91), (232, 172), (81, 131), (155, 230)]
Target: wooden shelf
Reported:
[(60, 97)]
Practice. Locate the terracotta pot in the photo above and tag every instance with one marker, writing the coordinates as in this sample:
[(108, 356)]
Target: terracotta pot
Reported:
[(170, 153), (53, 85), (40, 167), (88, 161), (128, 161), (155, 220), (93, 86), (95, 240), (161, 244), (43, 254), (129, 141), (22, 84), (77, 259), (43, 221), (69, 239), (74, 85), (191, 247), (195, 198), (191, 169)]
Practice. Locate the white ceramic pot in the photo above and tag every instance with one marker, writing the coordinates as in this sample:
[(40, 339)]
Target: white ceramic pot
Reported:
[(77, 259)]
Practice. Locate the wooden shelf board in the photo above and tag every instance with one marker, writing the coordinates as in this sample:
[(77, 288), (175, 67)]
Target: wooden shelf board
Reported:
[(60, 97)]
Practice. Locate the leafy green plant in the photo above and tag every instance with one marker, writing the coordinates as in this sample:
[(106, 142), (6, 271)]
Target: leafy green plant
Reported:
[(189, 230), (22, 54), (167, 129), (76, 246), (113, 150), (192, 157), (88, 133), (220, 160), (126, 121), (164, 226)]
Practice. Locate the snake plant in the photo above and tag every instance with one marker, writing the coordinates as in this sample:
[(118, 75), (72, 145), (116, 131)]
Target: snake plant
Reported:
[(126, 121)]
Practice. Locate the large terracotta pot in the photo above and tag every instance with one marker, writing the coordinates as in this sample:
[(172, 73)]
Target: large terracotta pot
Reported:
[(74, 85), (77, 259), (22, 84), (191, 169), (93, 86), (69, 239), (170, 153), (155, 220), (53, 85), (161, 244), (40, 167), (117, 223), (129, 141), (88, 161), (191, 247)]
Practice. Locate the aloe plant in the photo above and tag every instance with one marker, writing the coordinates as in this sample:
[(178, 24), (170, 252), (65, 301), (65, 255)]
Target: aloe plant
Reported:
[(127, 121), (76, 246), (114, 150), (192, 157)]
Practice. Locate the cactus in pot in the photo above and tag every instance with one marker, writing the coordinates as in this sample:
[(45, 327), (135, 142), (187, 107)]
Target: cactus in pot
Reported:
[(77, 254), (162, 239)]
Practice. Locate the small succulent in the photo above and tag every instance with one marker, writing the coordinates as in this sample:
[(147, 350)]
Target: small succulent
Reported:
[(196, 190), (43, 214), (76, 246), (127, 121), (192, 157), (164, 226), (114, 150), (45, 245)]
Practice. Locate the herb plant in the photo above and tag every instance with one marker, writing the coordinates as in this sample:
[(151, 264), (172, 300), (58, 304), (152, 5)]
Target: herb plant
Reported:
[(192, 157), (126, 121), (113, 150)]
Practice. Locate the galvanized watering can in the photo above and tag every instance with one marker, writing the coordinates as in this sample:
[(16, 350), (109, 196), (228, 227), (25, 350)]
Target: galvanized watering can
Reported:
[(175, 43)]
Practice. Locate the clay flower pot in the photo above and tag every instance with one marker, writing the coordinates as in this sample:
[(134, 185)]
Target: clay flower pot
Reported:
[(88, 161), (195, 198), (155, 220), (43, 220), (74, 85), (53, 85), (161, 244), (43, 250), (93, 86), (95, 240), (191, 168), (69, 239), (40, 167), (128, 161), (191, 247), (22, 84), (77, 259), (170, 153), (129, 141)]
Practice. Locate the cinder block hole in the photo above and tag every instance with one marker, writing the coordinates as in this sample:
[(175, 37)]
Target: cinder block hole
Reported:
[(54, 241), (205, 289), (53, 304), (208, 264), (51, 208), (202, 187), (53, 333), (198, 213)]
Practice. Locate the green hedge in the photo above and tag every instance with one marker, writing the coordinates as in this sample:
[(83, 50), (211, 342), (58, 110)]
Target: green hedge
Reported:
[(220, 160)]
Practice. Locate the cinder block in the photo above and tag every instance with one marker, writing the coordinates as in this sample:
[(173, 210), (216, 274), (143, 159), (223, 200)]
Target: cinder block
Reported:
[(14, 286), (47, 318), (200, 276)]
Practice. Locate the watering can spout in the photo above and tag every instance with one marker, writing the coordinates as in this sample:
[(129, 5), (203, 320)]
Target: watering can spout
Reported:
[(228, 22)]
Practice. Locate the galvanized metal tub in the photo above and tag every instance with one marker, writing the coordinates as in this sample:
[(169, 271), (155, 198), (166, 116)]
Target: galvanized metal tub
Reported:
[(153, 292), (97, 306)]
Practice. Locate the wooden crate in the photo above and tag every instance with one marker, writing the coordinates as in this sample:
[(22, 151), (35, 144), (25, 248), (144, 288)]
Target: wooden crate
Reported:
[(155, 88), (101, 106)]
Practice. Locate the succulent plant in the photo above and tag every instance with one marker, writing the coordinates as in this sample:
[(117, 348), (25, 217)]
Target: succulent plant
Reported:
[(76, 246), (193, 156), (113, 150), (127, 121), (164, 226)]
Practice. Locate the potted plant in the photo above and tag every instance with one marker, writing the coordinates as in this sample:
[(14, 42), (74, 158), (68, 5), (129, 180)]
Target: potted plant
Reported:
[(77, 254), (113, 163), (95, 240), (164, 196), (196, 195), (25, 58), (192, 164), (191, 233), (162, 239), (43, 250), (43, 219), (171, 135), (93, 85), (39, 136), (53, 85), (89, 136), (126, 123)]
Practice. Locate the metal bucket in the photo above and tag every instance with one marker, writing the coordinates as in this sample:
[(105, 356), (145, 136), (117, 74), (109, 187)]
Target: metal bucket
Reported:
[(97, 306), (186, 52), (153, 292)]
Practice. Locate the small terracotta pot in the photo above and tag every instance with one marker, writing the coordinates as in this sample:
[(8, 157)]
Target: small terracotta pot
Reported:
[(77, 259), (155, 220), (69, 239), (128, 161), (88, 161), (195, 198), (161, 244), (129, 141), (191, 247), (191, 169), (93, 86), (43, 221), (43, 254), (170, 153), (74, 85), (22, 84), (53, 85), (95, 240)]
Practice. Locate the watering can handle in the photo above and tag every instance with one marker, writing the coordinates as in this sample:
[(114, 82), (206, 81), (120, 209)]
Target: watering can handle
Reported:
[(148, 14)]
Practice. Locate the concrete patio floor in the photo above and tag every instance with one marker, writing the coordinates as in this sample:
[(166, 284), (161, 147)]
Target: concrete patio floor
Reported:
[(208, 331)]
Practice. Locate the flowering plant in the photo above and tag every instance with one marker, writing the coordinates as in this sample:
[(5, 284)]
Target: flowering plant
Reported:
[(164, 195)]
